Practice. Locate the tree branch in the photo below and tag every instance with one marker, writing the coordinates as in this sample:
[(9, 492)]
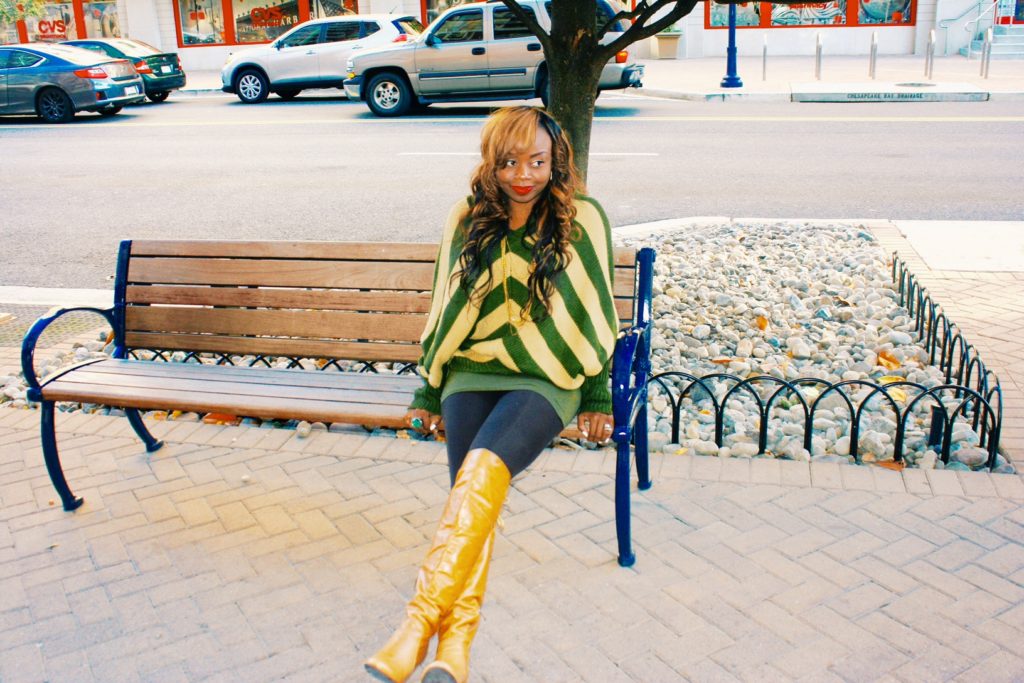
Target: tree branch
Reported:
[(642, 29)]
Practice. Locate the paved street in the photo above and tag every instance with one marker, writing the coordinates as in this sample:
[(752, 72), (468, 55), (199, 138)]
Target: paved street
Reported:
[(324, 168)]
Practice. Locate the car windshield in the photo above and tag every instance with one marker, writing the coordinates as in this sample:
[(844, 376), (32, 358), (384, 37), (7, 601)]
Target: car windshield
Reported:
[(134, 48), (75, 55), (410, 26)]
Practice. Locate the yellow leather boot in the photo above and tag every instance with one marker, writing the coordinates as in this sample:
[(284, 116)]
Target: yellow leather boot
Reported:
[(466, 525), (458, 627)]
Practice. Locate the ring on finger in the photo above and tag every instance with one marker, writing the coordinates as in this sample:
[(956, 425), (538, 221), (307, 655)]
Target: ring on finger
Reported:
[(417, 423)]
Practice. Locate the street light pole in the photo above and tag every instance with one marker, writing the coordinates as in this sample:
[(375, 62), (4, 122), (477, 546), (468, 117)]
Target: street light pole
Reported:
[(732, 79)]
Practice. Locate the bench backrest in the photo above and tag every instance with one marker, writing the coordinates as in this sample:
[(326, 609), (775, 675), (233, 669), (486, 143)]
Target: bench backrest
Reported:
[(337, 300)]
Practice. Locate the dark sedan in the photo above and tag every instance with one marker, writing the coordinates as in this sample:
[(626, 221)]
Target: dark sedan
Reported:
[(57, 81), (160, 71)]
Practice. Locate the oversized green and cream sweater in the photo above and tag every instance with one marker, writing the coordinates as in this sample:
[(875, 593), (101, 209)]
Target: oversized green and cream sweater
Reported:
[(571, 347)]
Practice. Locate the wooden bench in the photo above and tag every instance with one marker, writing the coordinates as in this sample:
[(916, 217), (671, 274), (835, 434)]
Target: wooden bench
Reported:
[(332, 301)]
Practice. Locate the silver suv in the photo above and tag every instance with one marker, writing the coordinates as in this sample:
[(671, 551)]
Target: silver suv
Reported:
[(311, 55), (472, 52)]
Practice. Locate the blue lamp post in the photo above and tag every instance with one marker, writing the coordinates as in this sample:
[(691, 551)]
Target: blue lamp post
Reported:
[(732, 79)]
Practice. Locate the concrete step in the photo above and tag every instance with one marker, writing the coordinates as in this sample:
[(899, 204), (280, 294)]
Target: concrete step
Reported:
[(1000, 30)]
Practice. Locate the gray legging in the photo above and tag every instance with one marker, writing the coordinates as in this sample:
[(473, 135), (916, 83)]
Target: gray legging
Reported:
[(514, 425)]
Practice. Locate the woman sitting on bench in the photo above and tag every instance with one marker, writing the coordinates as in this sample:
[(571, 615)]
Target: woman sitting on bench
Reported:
[(518, 341)]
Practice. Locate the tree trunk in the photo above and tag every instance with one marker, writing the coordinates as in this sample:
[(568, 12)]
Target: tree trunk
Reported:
[(574, 73)]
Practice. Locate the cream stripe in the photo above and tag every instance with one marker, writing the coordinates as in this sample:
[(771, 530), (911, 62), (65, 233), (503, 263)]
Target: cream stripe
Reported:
[(451, 342), (545, 360), (444, 267), (591, 300), (589, 219)]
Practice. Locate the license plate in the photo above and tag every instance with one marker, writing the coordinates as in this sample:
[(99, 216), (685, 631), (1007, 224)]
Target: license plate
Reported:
[(131, 90), (165, 69)]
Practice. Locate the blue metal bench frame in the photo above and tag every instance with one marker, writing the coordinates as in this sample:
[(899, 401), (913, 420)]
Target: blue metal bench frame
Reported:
[(631, 370)]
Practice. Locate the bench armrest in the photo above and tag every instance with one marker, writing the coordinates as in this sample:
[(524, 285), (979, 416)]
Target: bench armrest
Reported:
[(28, 345), (629, 362)]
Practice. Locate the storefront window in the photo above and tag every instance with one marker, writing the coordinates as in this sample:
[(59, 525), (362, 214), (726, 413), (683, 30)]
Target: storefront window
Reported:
[(832, 13), (8, 33), (747, 14), (257, 21), (318, 9), (884, 12), (202, 21), (811, 14), (101, 20), (56, 22), (435, 7)]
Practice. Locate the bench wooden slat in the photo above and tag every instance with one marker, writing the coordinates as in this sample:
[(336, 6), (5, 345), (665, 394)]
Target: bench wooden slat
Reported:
[(275, 273), (214, 384), (331, 251), (296, 348), (354, 251), (327, 299), (389, 302), (257, 374), (311, 324), (260, 406)]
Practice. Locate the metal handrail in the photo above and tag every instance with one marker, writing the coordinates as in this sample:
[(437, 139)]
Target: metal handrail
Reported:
[(946, 23), (992, 8)]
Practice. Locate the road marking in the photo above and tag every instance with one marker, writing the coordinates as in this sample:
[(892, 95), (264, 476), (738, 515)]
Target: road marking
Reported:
[(476, 154), (598, 119)]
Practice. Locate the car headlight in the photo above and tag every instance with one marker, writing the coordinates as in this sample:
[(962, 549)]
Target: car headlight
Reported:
[(350, 65)]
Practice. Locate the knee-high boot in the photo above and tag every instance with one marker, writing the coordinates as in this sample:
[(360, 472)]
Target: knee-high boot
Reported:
[(457, 629), (467, 522)]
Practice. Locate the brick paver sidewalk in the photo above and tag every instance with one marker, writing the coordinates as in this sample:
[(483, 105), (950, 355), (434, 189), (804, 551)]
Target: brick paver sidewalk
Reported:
[(242, 554)]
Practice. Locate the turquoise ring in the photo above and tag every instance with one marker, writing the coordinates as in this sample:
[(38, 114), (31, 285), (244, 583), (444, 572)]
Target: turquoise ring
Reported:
[(417, 423)]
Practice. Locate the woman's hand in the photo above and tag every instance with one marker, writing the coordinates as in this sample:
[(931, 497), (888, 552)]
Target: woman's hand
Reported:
[(428, 423), (596, 427)]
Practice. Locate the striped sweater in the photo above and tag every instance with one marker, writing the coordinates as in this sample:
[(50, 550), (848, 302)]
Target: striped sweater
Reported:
[(571, 347)]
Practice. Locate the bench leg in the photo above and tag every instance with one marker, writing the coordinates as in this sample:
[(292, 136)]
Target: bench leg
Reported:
[(52, 458), (643, 474), (622, 513), (152, 443)]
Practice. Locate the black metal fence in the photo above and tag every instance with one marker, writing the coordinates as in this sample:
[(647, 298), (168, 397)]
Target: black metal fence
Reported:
[(970, 394)]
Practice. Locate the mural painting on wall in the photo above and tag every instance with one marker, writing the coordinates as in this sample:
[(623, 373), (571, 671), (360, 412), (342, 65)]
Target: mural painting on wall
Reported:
[(202, 21), (884, 12), (319, 9), (810, 14), (747, 14)]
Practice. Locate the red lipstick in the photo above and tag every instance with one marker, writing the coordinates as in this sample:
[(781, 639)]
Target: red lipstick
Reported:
[(521, 190)]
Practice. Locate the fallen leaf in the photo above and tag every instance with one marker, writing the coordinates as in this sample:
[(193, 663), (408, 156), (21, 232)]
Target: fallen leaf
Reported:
[(889, 379), (891, 465), (762, 323), (721, 361), (887, 360), (682, 451), (898, 395), (219, 418)]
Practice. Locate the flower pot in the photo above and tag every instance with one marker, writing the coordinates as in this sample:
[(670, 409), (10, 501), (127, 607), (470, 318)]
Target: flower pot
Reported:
[(668, 45)]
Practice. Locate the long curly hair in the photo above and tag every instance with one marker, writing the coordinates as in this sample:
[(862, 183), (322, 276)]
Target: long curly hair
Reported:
[(506, 132)]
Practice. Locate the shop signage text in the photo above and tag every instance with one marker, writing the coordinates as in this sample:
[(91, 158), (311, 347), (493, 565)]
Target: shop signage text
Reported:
[(270, 16)]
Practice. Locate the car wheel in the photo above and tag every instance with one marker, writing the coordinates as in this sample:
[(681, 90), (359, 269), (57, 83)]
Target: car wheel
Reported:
[(158, 97), (252, 87), (111, 110), (288, 94), (388, 95), (54, 106), (544, 88)]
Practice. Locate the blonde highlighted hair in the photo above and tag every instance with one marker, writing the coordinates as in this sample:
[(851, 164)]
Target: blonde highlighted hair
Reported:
[(507, 131)]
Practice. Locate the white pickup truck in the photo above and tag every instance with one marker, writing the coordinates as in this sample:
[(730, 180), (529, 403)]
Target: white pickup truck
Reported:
[(473, 52)]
